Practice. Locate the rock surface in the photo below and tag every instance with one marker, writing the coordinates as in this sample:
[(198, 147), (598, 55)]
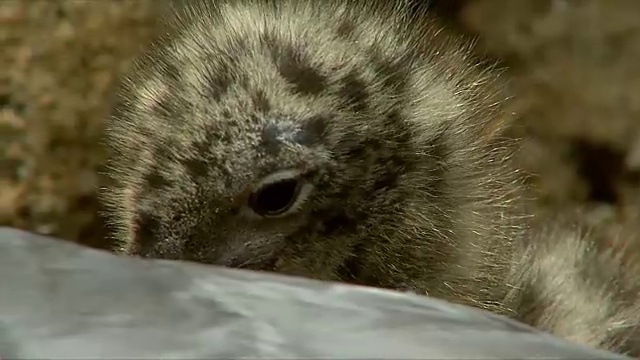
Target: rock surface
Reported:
[(62, 300)]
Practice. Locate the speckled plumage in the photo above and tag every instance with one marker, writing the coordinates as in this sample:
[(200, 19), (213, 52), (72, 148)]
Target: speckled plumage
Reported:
[(387, 118)]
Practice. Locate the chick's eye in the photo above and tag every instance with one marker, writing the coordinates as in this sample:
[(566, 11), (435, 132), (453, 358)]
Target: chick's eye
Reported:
[(276, 198)]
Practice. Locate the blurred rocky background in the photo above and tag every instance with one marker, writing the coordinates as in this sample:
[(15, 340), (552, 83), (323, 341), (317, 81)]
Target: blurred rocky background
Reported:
[(572, 63)]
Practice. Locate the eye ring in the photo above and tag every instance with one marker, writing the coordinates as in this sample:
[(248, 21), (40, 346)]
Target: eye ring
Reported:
[(278, 194)]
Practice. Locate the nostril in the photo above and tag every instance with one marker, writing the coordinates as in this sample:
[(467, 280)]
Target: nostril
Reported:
[(232, 261), (247, 251), (247, 260), (226, 257)]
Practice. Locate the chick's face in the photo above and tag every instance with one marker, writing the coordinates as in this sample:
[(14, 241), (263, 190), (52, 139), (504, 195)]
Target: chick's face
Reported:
[(269, 183), (259, 154), (235, 200)]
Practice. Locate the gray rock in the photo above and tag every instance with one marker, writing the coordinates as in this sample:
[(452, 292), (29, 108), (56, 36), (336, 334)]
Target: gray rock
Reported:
[(61, 300)]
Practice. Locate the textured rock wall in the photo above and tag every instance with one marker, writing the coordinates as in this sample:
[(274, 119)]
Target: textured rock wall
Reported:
[(575, 73), (58, 64)]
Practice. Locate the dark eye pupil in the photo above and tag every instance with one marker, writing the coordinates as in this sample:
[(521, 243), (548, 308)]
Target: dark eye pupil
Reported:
[(274, 199)]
